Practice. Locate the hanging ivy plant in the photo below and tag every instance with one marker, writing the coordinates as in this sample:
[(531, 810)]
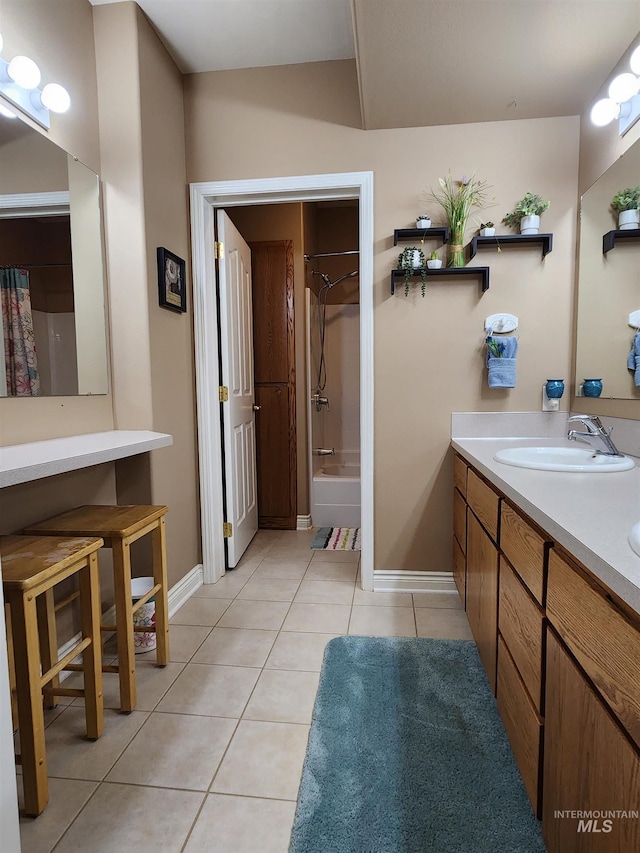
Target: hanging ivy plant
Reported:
[(406, 262)]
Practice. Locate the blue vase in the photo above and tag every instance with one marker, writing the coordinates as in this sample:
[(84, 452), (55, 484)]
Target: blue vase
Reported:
[(555, 388), (592, 387)]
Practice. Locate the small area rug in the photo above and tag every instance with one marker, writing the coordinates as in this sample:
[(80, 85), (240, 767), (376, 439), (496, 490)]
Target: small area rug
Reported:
[(407, 754), (337, 539)]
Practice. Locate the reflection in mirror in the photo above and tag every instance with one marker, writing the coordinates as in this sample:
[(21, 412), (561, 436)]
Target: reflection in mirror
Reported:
[(51, 272), (608, 285)]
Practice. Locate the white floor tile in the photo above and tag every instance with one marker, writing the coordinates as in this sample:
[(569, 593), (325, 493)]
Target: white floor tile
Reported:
[(229, 824)]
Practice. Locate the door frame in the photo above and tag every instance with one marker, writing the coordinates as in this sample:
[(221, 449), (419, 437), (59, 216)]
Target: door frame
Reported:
[(205, 197)]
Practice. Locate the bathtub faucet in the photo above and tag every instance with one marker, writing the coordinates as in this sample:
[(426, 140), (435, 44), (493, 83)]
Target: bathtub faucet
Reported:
[(320, 451), (319, 400)]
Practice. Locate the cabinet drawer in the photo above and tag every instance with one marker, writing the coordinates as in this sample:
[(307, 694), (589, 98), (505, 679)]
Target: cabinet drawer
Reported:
[(521, 623), (522, 723), (460, 474), (484, 502), (525, 549), (460, 520), (602, 638), (460, 571)]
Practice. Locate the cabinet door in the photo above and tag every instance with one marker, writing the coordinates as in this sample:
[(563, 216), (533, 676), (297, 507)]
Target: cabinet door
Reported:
[(589, 765), (460, 571), (482, 594)]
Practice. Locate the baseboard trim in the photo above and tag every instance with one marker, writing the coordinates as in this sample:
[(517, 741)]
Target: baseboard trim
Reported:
[(399, 581), (304, 522), (176, 597)]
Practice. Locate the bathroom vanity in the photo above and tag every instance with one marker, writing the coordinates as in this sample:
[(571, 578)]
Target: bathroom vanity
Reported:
[(551, 588)]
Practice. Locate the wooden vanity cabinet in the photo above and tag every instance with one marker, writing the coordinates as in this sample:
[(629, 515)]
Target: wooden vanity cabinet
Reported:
[(482, 593), (460, 544)]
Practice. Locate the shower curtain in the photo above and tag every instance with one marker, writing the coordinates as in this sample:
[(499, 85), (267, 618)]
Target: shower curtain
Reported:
[(21, 366)]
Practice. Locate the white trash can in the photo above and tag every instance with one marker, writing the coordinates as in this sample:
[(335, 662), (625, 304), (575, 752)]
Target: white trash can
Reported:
[(145, 616)]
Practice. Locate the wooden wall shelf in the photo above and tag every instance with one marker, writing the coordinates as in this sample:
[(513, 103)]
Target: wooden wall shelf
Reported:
[(478, 272), (505, 240), (404, 235), (609, 239)]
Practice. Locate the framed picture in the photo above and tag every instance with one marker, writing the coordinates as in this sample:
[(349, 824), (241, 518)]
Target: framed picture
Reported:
[(172, 288)]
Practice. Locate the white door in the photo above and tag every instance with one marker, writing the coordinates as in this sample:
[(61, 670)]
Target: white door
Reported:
[(236, 336)]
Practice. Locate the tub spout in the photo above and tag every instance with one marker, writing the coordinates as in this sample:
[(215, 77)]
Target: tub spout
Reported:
[(321, 451)]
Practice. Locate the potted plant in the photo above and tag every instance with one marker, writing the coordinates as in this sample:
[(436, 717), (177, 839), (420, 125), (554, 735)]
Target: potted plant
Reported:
[(487, 229), (423, 220), (434, 262), (412, 260), (626, 203), (526, 214), (458, 199)]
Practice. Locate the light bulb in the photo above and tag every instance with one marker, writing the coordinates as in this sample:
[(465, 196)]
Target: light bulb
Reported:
[(6, 113), (634, 61), (24, 72), (604, 111), (55, 98), (623, 87)]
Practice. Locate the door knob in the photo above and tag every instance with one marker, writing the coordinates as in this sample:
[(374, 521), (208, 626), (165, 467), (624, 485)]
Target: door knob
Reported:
[(256, 408)]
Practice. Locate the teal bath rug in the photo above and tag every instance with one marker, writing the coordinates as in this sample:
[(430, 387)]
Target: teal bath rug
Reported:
[(337, 539), (407, 754)]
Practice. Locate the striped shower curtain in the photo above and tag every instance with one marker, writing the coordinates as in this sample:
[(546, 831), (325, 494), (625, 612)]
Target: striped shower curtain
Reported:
[(21, 365)]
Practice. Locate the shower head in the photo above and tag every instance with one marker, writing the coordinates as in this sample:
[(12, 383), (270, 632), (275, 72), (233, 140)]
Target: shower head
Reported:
[(342, 277)]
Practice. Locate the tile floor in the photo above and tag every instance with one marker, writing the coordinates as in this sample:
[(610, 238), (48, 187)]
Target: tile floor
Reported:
[(211, 758)]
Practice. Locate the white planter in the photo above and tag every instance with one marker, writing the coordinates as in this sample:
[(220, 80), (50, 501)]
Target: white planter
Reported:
[(434, 264), (530, 225), (423, 223), (415, 259), (628, 220), (487, 232)]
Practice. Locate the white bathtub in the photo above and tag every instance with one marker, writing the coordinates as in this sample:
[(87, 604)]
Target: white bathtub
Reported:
[(335, 490)]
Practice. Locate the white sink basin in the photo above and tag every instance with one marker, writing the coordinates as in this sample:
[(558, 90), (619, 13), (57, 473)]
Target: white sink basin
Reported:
[(634, 538), (563, 459)]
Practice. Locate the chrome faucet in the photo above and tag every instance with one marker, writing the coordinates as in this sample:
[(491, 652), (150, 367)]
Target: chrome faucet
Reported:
[(322, 451), (595, 430), (319, 400)]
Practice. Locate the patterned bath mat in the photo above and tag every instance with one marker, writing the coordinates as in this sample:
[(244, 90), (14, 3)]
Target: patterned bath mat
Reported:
[(337, 539)]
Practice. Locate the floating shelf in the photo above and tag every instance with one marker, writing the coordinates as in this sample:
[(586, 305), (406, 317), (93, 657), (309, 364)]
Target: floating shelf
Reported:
[(504, 240), (478, 272), (609, 239), (403, 235)]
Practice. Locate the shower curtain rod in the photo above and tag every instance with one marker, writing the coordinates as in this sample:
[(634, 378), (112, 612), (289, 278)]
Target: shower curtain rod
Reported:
[(31, 266), (331, 254)]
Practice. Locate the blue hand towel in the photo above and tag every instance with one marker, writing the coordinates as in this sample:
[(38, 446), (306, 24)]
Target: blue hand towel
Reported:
[(633, 362), (502, 370)]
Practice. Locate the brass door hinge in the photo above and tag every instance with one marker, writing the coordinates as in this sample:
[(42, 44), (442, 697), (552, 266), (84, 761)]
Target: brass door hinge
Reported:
[(223, 394), (219, 250), (227, 529)]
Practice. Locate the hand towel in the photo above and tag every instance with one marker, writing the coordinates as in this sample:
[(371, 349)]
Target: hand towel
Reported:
[(633, 362), (502, 370)]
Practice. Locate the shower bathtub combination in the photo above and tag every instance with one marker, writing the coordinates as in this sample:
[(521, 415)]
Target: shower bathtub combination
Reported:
[(335, 498)]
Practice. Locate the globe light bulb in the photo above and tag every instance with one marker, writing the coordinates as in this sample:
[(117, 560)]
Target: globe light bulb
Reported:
[(24, 72), (55, 98), (1, 42), (604, 111), (6, 113), (623, 87), (634, 61)]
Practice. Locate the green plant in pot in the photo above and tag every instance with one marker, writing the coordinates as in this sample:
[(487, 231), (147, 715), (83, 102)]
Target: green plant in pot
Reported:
[(626, 204), (526, 214), (434, 262), (411, 260), (458, 199), (487, 229)]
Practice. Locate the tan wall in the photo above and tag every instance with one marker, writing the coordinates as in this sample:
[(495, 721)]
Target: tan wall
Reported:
[(284, 222), (428, 353)]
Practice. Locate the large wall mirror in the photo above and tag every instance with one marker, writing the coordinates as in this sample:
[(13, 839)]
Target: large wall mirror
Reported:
[(52, 291), (608, 285)]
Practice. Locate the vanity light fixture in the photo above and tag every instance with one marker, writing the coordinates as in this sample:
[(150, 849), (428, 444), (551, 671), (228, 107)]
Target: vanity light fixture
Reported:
[(19, 81), (623, 101)]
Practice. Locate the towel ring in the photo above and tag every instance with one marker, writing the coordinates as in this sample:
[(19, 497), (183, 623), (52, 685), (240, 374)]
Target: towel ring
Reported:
[(500, 324)]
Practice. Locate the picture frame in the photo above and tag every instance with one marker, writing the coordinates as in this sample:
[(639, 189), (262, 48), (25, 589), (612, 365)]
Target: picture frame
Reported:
[(172, 289)]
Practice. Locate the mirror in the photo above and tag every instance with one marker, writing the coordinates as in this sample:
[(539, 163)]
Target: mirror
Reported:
[(608, 285), (50, 261)]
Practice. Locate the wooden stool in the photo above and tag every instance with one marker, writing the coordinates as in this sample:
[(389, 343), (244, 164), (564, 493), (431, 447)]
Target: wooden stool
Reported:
[(31, 567), (119, 526)]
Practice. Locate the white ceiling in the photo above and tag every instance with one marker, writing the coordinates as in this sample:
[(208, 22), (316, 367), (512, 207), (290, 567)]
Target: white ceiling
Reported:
[(419, 62)]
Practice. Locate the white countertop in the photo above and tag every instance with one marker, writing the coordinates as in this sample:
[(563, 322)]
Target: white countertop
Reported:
[(591, 515), (20, 463)]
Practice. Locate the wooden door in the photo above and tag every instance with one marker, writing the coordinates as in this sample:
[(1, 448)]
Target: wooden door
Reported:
[(482, 594), (274, 361), (236, 345), (589, 766)]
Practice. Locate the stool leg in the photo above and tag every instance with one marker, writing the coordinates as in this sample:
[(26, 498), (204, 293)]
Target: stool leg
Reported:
[(158, 536), (124, 624), (12, 667), (92, 655), (48, 640), (24, 624)]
